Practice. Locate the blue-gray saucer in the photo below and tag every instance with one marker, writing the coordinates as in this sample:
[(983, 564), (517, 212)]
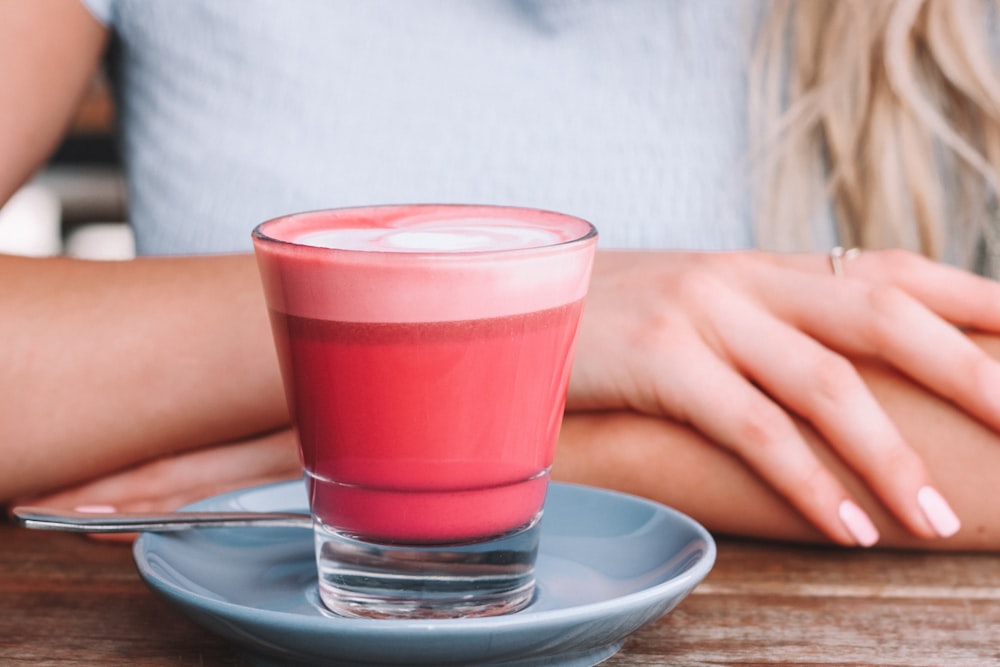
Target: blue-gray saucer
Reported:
[(608, 564)]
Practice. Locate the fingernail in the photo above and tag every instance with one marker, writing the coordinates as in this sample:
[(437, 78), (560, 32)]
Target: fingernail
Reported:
[(858, 524), (938, 512), (95, 509)]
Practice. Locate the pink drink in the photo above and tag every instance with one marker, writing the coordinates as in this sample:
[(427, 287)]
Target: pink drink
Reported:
[(428, 431), (426, 352)]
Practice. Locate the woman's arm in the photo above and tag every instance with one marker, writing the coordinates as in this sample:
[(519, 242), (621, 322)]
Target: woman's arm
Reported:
[(740, 346), (183, 360), (49, 53), (675, 464), (656, 458), (106, 365)]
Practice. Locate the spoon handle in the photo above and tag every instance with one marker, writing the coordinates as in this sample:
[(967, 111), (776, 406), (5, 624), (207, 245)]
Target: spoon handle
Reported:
[(43, 518)]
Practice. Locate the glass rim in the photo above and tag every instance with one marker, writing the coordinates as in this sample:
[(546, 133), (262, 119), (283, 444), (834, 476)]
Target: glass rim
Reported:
[(258, 233)]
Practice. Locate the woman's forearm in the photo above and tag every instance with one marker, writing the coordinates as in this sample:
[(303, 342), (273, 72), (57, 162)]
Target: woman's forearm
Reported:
[(672, 463), (106, 364)]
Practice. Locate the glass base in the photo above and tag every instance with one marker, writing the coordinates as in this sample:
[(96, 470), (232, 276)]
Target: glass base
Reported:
[(487, 578)]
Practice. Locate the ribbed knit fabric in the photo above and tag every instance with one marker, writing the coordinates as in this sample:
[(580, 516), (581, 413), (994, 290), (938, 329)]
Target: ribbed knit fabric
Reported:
[(630, 113)]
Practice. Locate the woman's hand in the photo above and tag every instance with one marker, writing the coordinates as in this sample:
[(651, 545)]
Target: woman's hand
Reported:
[(173, 481), (735, 344)]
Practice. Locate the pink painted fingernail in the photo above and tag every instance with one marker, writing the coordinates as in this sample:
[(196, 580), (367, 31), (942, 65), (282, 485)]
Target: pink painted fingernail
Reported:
[(95, 509), (938, 512), (857, 523)]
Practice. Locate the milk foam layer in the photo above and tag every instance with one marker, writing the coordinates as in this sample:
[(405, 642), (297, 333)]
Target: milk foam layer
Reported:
[(423, 263), (461, 235)]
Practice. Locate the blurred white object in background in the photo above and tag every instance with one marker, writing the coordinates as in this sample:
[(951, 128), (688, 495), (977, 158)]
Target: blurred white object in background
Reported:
[(101, 240), (30, 222)]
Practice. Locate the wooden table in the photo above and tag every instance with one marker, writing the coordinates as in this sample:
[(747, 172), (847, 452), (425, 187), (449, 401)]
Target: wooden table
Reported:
[(66, 600)]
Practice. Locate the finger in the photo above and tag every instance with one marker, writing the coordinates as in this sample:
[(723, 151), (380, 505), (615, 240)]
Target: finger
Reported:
[(959, 296), (273, 455), (168, 482), (175, 501), (886, 323), (191, 494), (724, 406), (170, 503), (824, 389), (173, 482)]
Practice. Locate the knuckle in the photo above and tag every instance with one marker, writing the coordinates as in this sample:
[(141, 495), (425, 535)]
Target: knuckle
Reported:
[(833, 378), (674, 305), (887, 300), (889, 305), (699, 287), (981, 369), (762, 431), (655, 333), (896, 262)]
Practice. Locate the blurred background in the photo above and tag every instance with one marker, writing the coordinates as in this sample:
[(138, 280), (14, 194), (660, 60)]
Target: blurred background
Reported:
[(76, 205)]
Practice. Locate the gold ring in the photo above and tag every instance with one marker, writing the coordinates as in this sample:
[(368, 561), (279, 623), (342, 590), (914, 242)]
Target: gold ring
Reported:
[(838, 255)]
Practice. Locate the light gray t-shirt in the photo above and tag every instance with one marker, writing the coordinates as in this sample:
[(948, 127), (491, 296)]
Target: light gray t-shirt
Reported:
[(631, 114)]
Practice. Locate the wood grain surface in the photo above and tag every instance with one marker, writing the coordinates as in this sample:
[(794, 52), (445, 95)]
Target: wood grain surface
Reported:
[(68, 600)]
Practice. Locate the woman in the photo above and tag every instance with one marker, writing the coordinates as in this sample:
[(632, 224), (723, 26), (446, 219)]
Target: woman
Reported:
[(804, 396)]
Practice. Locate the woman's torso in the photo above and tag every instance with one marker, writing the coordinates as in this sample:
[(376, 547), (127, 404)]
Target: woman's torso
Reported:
[(630, 114)]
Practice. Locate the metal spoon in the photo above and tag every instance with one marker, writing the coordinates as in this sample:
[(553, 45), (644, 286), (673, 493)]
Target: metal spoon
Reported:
[(43, 518)]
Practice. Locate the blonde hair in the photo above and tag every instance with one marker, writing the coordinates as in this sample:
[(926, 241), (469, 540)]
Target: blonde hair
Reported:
[(886, 113)]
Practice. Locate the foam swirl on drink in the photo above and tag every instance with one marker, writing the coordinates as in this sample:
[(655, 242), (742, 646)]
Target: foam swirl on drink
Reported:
[(464, 235), (423, 263)]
